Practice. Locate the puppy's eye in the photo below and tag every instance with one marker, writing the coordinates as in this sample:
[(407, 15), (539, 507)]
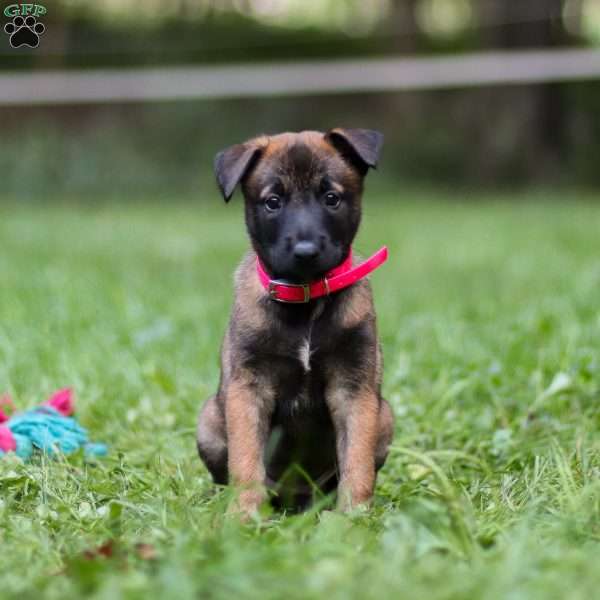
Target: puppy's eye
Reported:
[(332, 200), (273, 203)]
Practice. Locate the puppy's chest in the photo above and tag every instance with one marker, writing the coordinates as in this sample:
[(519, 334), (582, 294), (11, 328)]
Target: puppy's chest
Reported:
[(303, 347), (304, 352), (298, 371), (297, 358), (312, 350), (300, 386)]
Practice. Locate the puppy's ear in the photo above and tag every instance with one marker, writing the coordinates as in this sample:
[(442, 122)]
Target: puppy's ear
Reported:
[(361, 146), (233, 163)]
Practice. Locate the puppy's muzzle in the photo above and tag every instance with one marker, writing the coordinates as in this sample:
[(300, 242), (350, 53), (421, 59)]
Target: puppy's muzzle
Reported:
[(306, 251)]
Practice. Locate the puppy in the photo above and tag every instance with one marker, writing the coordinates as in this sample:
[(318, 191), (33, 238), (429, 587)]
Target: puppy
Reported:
[(299, 407)]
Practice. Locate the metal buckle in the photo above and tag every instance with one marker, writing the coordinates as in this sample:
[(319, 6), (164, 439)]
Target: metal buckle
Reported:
[(273, 292)]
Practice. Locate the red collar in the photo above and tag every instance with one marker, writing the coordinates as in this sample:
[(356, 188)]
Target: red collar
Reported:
[(343, 276)]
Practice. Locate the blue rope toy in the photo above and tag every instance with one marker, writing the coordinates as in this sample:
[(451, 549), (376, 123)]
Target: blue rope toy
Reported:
[(48, 428)]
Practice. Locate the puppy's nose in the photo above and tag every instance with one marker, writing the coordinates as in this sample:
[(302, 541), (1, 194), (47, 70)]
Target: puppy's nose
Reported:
[(306, 250)]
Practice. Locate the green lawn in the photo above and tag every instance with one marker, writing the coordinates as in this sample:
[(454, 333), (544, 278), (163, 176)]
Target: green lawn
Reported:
[(490, 318)]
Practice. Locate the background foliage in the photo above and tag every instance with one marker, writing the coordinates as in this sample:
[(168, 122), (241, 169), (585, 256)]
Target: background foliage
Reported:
[(514, 135)]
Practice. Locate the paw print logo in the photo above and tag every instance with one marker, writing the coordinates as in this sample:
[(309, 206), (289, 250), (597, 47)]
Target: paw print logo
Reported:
[(24, 31)]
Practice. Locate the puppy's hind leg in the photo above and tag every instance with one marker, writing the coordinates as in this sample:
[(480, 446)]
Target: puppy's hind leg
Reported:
[(212, 440), (386, 433)]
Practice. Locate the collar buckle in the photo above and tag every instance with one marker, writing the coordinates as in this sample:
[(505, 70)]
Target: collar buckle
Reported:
[(272, 290)]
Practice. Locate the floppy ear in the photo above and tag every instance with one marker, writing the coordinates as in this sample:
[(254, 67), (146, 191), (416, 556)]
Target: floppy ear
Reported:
[(232, 164), (360, 146)]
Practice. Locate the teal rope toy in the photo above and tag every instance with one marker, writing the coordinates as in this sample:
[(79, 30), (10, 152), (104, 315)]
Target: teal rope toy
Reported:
[(48, 428)]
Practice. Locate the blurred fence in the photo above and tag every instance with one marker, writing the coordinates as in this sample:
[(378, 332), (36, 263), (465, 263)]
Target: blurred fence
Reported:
[(300, 78)]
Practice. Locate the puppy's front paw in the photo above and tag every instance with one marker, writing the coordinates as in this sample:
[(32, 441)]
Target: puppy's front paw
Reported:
[(349, 502), (247, 504)]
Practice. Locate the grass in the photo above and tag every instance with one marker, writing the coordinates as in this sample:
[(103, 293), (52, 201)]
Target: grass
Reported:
[(489, 315)]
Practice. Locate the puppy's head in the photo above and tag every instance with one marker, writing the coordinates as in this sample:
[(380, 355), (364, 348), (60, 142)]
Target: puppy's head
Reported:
[(303, 195)]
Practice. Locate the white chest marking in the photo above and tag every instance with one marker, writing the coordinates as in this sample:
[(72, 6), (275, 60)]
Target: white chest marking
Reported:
[(304, 351), (304, 354)]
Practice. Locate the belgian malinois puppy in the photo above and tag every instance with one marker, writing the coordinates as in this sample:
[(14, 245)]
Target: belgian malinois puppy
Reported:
[(299, 407)]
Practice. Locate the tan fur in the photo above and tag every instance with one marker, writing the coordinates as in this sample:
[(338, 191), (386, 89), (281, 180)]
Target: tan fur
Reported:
[(357, 426), (246, 415), (248, 290), (360, 308), (273, 148)]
